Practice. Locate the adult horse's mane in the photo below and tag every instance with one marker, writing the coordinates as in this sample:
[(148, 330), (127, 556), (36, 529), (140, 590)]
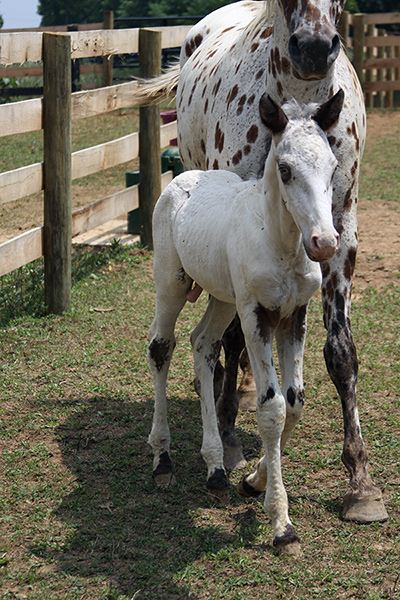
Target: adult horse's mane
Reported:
[(263, 13), (151, 91)]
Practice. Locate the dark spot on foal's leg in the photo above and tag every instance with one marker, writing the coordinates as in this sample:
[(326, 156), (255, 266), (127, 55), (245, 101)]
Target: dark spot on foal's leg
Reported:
[(288, 537), (159, 352), (268, 396)]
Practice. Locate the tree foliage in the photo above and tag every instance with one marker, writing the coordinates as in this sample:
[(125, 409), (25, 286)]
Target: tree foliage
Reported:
[(61, 12)]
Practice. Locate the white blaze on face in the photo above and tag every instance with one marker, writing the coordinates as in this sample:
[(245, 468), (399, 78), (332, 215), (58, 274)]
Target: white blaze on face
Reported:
[(305, 166)]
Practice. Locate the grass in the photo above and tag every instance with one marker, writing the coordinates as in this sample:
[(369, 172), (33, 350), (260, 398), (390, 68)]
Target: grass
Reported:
[(80, 516)]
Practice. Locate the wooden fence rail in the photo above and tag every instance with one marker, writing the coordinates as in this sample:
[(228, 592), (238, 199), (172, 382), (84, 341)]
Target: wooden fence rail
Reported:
[(53, 240)]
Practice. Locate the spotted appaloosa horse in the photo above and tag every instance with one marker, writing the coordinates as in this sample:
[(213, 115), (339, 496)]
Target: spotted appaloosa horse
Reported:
[(287, 48), (253, 245)]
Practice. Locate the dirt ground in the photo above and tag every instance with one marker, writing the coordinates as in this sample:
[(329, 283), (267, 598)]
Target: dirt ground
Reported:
[(378, 261)]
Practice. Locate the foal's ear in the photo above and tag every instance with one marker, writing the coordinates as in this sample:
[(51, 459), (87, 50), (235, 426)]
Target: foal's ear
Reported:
[(272, 115), (328, 113)]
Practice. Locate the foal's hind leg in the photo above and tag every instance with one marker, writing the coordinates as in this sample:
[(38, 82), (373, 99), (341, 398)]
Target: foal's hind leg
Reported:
[(206, 341), (170, 299)]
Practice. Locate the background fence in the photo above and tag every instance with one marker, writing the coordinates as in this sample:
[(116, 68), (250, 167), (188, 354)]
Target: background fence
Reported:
[(375, 55), (53, 114), (376, 59)]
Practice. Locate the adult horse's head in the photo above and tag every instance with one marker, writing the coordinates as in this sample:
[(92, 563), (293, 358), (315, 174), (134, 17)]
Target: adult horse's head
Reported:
[(314, 43)]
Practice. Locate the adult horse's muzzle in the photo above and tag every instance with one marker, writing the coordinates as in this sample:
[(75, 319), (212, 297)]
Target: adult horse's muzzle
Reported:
[(313, 51)]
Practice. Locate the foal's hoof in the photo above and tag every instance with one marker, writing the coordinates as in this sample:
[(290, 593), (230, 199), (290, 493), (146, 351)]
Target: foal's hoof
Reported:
[(246, 490), (247, 400), (364, 510), (218, 487), (163, 475), (288, 543), (233, 457), (164, 480), (292, 549)]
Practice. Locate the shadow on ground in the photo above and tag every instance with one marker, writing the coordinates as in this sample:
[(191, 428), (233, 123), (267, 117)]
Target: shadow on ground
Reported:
[(139, 537)]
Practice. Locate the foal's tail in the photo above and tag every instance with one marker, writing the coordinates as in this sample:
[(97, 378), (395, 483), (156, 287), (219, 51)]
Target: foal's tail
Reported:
[(151, 91)]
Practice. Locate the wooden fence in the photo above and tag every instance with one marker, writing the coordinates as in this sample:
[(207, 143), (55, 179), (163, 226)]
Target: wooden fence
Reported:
[(60, 166), (53, 114), (376, 57)]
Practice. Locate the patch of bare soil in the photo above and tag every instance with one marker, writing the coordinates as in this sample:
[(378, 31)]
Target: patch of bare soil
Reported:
[(378, 262)]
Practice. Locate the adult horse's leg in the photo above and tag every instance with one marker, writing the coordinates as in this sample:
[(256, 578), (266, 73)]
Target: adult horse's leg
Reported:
[(247, 391), (227, 401), (206, 342), (363, 500)]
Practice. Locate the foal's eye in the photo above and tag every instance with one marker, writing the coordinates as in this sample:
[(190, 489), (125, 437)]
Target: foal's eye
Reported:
[(285, 172)]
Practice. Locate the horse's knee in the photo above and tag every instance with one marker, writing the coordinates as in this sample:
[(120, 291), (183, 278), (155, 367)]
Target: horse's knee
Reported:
[(159, 352)]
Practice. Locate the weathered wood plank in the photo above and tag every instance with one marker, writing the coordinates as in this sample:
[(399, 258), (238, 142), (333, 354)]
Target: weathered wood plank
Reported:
[(20, 117), (382, 63), (381, 86), (21, 182), (97, 158), (106, 209), (21, 250), (102, 100), (382, 18), (18, 48), (104, 42), (21, 72), (167, 132), (384, 40)]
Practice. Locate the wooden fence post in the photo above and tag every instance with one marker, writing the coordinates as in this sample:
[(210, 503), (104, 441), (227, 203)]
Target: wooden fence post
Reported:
[(108, 61), (149, 135), (369, 97), (57, 170), (358, 44)]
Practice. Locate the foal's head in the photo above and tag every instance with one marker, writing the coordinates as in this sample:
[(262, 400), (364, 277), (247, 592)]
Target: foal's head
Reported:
[(304, 166), (314, 43)]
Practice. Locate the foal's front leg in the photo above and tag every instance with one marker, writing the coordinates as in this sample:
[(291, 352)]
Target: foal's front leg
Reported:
[(206, 341), (259, 326)]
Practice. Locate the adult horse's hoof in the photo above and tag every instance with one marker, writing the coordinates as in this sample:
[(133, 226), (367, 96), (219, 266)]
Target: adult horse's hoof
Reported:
[(246, 490), (233, 457), (218, 487), (247, 400), (364, 510)]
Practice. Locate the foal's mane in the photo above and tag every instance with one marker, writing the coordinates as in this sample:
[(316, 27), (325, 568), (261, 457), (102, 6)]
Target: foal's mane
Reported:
[(296, 110)]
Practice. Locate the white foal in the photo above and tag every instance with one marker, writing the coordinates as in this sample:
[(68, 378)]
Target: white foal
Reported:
[(254, 247)]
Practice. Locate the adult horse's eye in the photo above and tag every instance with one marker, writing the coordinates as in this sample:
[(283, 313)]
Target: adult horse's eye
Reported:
[(285, 172)]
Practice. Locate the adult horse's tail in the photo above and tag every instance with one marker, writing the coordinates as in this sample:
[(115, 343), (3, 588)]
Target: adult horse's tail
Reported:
[(150, 91)]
